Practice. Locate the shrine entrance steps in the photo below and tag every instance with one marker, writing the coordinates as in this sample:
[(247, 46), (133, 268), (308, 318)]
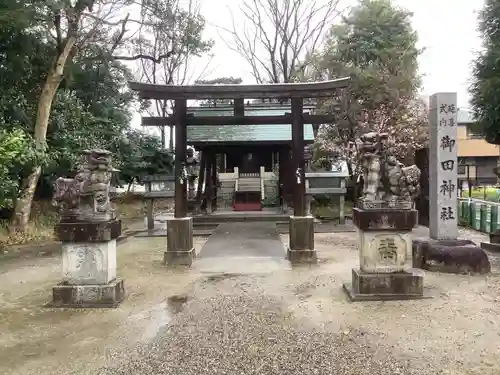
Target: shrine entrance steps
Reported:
[(242, 247), (226, 216)]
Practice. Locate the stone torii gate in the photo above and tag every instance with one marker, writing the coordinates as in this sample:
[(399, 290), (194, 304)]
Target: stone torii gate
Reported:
[(180, 229)]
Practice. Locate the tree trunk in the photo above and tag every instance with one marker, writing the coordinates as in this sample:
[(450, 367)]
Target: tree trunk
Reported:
[(354, 183), (22, 209)]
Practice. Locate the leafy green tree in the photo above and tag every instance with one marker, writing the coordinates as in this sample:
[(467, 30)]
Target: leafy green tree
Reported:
[(65, 27), (376, 46), (485, 89), (16, 153), (62, 81), (75, 39), (90, 108), (135, 155)]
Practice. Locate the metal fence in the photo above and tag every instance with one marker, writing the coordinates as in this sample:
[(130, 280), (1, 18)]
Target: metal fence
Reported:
[(478, 214)]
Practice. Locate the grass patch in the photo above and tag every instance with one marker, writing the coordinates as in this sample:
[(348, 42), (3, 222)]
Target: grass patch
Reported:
[(486, 193), (40, 227), (44, 217), (330, 211)]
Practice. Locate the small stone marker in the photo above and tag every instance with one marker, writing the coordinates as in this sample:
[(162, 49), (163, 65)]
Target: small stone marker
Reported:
[(443, 176)]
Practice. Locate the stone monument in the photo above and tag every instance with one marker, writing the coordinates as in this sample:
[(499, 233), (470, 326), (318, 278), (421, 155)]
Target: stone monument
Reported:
[(444, 248), (88, 230), (384, 218)]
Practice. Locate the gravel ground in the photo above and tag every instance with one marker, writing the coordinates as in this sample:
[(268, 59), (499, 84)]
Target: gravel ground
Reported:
[(280, 322), (247, 333)]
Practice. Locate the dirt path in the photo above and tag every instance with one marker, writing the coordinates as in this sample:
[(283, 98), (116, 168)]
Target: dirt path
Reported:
[(284, 321)]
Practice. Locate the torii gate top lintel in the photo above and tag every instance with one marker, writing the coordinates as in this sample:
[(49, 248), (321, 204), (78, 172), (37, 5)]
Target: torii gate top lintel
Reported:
[(233, 91)]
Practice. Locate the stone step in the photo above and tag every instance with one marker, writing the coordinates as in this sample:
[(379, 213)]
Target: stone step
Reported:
[(241, 217), (249, 188)]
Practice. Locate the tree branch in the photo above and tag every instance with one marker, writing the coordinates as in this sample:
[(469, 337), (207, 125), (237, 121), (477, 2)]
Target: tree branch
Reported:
[(155, 60), (298, 27)]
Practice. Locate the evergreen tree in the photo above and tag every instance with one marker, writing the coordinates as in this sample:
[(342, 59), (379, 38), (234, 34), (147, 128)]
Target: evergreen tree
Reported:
[(485, 89)]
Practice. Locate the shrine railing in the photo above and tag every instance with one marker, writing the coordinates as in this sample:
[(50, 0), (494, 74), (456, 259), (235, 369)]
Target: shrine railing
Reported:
[(479, 215), (249, 175)]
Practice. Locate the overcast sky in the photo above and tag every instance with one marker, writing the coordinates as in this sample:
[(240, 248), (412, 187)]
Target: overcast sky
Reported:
[(447, 29)]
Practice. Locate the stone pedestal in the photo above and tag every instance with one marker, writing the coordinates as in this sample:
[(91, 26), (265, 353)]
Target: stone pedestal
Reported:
[(396, 244), (494, 244), (491, 247), (301, 247), (384, 244), (180, 249), (451, 256), (88, 265), (366, 286)]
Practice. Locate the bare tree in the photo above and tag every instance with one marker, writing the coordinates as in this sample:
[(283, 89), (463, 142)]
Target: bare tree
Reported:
[(279, 36), (169, 26)]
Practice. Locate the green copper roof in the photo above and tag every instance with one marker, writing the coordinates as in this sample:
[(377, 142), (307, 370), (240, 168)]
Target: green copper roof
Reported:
[(243, 133)]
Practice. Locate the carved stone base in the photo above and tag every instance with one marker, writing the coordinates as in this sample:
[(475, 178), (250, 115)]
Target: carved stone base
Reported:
[(385, 286), (377, 205), (180, 249), (452, 256), (383, 251), (385, 219), (301, 247), (384, 237), (88, 262), (88, 231), (93, 296)]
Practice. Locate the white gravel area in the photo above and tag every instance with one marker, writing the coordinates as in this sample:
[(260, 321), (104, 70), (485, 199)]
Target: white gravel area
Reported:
[(275, 321), (299, 321)]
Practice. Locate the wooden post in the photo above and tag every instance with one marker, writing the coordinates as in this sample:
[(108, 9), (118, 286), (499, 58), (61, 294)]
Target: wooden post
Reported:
[(282, 170), (208, 186), (180, 158), (213, 177), (239, 107), (298, 157)]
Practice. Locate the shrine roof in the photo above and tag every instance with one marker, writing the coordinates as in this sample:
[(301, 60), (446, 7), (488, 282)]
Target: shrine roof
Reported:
[(227, 134)]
